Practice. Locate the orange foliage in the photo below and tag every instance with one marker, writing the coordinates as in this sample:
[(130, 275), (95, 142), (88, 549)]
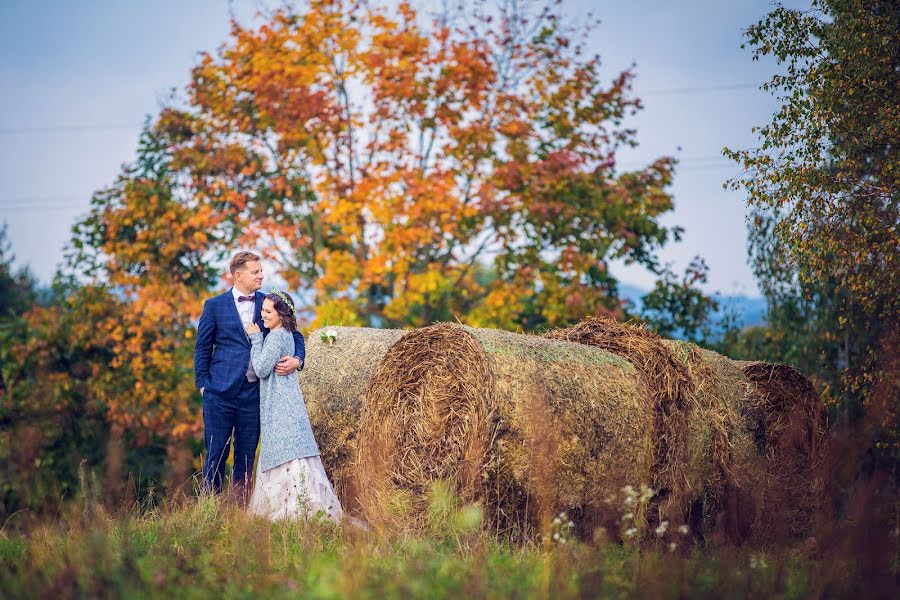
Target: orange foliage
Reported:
[(420, 170)]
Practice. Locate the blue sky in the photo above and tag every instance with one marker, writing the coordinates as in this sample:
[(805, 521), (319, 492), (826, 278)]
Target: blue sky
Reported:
[(106, 65)]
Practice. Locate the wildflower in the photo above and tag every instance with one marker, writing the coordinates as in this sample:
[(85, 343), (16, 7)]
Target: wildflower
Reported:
[(683, 529), (647, 492), (556, 521), (628, 490), (556, 537), (661, 530), (672, 546), (628, 516), (631, 531)]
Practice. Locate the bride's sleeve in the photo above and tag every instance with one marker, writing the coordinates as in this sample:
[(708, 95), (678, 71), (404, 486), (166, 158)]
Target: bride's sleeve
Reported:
[(264, 353)]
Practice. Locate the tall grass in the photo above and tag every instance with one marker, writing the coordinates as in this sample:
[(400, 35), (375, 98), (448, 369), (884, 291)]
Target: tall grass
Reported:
[(206, 546)]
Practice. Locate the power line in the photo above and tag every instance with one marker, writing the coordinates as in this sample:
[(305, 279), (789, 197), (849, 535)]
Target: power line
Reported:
[(33, 208), (689, 163), (703, 90), (64, 128), (113, 126)]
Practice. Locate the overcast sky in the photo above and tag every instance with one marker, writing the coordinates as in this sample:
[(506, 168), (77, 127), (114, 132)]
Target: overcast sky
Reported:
[(79, 78)]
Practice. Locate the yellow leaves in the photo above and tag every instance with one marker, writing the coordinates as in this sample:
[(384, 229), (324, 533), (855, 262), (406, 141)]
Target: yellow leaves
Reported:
[(337, 311), (341, 269), (418, 289), (501, 307)]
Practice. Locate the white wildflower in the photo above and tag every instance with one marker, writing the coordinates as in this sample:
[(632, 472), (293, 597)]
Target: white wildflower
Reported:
[(631, 531), (683, 529), (661, 530), (672, 546), (628, 516)]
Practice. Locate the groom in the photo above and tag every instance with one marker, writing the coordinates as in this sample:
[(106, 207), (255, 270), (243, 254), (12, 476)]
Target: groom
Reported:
[(225, 377)]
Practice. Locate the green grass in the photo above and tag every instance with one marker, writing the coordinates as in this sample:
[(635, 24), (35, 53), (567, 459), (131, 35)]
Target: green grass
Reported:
[(206, 547)]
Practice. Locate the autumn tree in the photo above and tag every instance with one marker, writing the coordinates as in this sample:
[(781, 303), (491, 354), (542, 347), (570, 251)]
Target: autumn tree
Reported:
[(823, 192), (104, 373), (152, 248), (409, 170)]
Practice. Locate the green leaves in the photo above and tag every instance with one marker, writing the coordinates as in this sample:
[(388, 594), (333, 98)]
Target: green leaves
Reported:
[(824, 189)]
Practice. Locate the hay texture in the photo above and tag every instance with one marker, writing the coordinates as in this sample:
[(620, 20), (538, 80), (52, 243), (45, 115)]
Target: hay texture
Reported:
[(526, 425), (333, 382), (789, 425), (723, 466), (670, 394)]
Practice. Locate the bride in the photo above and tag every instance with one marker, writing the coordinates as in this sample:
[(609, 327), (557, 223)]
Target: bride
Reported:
[(290, 478)]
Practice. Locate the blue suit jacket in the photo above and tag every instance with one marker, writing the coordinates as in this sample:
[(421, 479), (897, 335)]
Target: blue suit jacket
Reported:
[(222, 351)]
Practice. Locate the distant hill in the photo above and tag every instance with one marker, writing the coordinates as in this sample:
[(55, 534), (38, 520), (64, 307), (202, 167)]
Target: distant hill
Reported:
[(750, 311)]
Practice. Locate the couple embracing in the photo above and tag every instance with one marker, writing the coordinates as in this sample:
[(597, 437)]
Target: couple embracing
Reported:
[(246, 360)]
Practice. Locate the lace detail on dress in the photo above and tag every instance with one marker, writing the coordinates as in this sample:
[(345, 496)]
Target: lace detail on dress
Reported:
[(297, 488)]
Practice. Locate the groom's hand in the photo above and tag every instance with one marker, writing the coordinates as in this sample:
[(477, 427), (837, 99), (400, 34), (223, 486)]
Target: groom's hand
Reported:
[(287, 365)]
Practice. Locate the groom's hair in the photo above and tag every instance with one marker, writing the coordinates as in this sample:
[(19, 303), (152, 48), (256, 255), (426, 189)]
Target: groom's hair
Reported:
[(240, 259)]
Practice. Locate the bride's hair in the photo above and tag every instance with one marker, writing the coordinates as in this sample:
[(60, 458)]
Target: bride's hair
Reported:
[(285, 311)]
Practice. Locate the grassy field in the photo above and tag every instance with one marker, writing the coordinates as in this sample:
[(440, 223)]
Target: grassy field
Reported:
[(206, 547)]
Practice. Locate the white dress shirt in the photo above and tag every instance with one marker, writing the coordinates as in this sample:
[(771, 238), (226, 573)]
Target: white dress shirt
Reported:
[(245, 310)]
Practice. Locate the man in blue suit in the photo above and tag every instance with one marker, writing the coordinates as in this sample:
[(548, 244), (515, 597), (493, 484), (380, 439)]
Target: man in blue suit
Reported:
[(224, 375)]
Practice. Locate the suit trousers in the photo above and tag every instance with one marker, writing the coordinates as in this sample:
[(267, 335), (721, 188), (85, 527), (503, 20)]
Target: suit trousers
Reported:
[(222, 417)]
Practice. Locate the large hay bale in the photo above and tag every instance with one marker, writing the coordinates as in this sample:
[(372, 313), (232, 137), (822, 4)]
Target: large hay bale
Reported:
[(789, 425), (722, 460), (670, 392), (527, 425), (333, 382)]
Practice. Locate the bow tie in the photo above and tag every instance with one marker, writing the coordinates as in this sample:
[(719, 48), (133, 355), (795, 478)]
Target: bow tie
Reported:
[(246, 298)]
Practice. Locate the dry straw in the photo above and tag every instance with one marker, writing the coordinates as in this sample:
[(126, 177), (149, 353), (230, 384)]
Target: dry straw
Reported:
[(789, 425), (722, 463), (526, 425), (670, 396), (334, 381)]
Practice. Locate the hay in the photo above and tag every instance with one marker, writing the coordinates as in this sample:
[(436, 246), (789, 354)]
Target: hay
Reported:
[(526, 425), (333, 382), (670, 391), (789, 425), (722, 463)]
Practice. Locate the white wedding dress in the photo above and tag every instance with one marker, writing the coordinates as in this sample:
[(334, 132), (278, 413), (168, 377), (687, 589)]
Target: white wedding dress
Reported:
[(297, 488)]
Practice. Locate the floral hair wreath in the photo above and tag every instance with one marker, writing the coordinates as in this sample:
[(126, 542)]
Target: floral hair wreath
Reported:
[(285, 299)]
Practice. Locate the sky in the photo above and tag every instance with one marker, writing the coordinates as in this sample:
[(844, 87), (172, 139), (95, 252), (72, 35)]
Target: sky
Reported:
[(79, 78)]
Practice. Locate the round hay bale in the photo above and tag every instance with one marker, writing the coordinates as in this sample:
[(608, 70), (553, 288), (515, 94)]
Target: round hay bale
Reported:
[(526, 425), (789, 426), (669, 389), (333, 382), (722, 463)]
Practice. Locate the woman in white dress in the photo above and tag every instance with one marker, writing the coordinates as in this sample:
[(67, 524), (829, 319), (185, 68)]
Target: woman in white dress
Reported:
[(290, 478)]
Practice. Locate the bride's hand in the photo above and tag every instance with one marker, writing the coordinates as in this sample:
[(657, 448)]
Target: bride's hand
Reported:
[(251, 328)]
